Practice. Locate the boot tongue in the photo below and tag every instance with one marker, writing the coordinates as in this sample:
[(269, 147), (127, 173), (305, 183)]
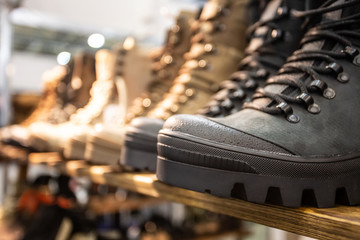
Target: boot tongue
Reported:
[(268, 13), (272, 10), (331, 16), (350, 10)]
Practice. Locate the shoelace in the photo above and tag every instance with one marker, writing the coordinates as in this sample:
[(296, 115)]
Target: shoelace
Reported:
[(254, 68), (310, 63), (202, 29), (162, 61)]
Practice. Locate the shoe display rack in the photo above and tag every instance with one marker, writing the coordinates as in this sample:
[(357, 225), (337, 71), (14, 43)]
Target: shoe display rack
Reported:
[(248, 111), (341, 222)]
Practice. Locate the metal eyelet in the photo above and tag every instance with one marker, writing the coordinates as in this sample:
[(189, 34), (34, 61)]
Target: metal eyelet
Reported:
[(336, 68), (146, 102), (209, 48), (318, 84), (238, 94), (343, 77), (293, 118), (215, 110), (357, 60), (262, 73), (306, 99), (251, 84), (350, 51), (168, 59), (314, 108), (241, 76), (227, 104), (277, 34), (189, 92), (288, 111), (329, 93), (309, 102), (202, 63), (174, 108)]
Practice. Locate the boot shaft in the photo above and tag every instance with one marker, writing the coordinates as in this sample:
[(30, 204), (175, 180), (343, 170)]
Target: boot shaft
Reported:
[(223, 22), (167, 63), (217, 47), (272, 39)]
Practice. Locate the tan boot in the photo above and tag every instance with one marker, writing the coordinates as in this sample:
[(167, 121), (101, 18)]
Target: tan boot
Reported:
[(217, 48), (167, 63), (66, 88), (104, 115)]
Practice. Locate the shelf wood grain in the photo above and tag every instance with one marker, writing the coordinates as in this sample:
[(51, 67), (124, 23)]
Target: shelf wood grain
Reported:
[(341, 222)]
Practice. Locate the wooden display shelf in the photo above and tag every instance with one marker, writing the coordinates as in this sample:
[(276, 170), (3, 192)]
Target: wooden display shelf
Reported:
[(341, 222), (10, 153), (109, 204)]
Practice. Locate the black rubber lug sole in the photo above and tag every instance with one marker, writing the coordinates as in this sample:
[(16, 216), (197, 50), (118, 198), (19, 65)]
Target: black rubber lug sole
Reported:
[(138, 159), (290, 192)]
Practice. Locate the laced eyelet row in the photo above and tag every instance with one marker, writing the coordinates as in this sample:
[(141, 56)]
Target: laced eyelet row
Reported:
[(304, 98)]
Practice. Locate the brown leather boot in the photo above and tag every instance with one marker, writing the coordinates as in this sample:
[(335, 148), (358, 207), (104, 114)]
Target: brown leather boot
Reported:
[(51, 80), (74, 93), (217, 47), (66, 88)]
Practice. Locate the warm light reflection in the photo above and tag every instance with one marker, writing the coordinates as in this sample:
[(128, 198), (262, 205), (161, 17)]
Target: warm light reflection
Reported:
[(129, 43), (99, 170), (96, 40), (73, 165), (144, 179)]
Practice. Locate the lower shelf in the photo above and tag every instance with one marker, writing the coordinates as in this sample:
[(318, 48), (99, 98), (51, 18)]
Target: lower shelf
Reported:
[(333, 223)]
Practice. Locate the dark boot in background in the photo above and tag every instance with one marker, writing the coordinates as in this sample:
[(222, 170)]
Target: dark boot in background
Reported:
[(66, 89)]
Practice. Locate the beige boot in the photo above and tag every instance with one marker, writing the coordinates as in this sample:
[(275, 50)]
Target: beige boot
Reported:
[(104, 143), (106, 133), (52, 137)]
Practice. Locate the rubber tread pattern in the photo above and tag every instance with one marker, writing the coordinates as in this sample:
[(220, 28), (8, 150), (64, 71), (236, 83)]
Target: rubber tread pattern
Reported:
[(290, 192)]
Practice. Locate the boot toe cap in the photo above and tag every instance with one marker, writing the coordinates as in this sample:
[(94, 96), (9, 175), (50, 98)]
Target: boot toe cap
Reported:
[(210, 130)]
